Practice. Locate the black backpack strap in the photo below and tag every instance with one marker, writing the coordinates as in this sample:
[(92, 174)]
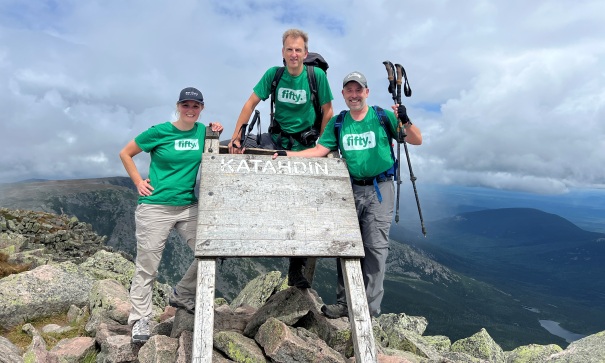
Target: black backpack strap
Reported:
[(274, 126), (337, 126), (384, 122), (314, 97), (278, 73)]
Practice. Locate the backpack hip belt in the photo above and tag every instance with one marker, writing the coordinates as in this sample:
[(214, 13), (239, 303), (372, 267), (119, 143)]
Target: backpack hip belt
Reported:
[(382, 177), (306, 137)]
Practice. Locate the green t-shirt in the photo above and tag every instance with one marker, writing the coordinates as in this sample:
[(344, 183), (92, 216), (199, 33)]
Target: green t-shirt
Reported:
[(175, 159), (293, 106), (364, 144)]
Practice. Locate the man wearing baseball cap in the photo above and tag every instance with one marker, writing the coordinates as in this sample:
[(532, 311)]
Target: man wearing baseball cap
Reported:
[(365, 144)]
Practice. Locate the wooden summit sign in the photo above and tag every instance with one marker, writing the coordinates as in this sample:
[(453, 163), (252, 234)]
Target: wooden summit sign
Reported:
[(253, 206)]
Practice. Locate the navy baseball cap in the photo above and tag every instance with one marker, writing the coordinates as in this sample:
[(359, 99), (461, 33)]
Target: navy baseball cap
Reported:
[(191, 94)]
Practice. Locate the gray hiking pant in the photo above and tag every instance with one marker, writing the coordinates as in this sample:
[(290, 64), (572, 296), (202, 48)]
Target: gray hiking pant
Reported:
[(374, 221), (153, 225)]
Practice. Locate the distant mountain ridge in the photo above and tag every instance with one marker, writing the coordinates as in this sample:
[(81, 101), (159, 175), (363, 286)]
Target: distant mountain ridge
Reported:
[(541, 259), (522, 240), (525, 225), (578, 205), (455, 305)]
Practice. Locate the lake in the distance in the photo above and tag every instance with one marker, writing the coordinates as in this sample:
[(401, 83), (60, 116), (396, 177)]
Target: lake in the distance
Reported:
[(555, 329)]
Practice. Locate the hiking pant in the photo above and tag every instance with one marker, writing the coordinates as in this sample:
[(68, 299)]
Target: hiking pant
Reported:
[(153, 225), (266, 142), (374, 221)]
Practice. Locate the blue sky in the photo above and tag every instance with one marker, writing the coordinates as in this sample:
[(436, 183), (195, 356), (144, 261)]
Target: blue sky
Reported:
[(509, 94)]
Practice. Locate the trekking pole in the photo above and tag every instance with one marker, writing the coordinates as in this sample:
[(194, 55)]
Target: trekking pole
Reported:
[(255, 119), (400, 139), (401, 134), (244, 134), (395, 91)]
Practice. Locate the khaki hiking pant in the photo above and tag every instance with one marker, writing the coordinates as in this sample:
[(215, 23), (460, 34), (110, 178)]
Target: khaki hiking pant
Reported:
[(153, 225), (375, 222)]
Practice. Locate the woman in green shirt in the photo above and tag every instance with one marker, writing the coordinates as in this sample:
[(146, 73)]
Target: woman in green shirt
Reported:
[(166, 200)]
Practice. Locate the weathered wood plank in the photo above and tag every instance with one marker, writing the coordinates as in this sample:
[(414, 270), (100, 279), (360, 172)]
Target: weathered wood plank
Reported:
[(359, 313), (204, 312), (211, 142), (276, 248), (252, 205)]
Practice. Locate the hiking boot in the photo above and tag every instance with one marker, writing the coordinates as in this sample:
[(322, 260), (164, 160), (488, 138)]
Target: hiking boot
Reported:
[(335, 311), (179, 302), (140, 330), (296, 277)]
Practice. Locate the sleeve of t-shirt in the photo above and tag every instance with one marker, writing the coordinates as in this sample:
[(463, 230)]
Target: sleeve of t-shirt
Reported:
[(147, 139), (328, 138), (263, 87)]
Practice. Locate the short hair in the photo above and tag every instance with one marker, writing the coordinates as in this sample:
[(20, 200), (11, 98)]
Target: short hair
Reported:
[(296, 33)]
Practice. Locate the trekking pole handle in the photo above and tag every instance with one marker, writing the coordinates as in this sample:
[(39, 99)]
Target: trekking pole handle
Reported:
[(399, 76), (388, 65), (402, 78), (391, 75)]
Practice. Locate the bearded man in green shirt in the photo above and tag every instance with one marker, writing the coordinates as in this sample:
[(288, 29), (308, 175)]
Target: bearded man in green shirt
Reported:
[(365, 145)]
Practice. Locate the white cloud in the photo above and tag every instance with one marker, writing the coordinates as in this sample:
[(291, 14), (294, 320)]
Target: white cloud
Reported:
[(508, 94)]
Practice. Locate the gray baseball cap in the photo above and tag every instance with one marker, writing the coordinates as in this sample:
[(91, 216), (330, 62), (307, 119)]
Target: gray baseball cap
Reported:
[(355, 77)]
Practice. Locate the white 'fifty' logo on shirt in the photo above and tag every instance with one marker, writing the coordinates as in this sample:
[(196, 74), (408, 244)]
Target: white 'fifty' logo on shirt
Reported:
[(186, 144), (296, 97), (364, 141)]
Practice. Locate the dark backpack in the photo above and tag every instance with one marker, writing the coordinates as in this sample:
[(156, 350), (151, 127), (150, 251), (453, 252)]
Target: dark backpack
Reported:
[(384, 121), (313, 60)]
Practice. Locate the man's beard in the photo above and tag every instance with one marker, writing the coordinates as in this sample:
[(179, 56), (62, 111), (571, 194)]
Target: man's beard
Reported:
[(358, 106)]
